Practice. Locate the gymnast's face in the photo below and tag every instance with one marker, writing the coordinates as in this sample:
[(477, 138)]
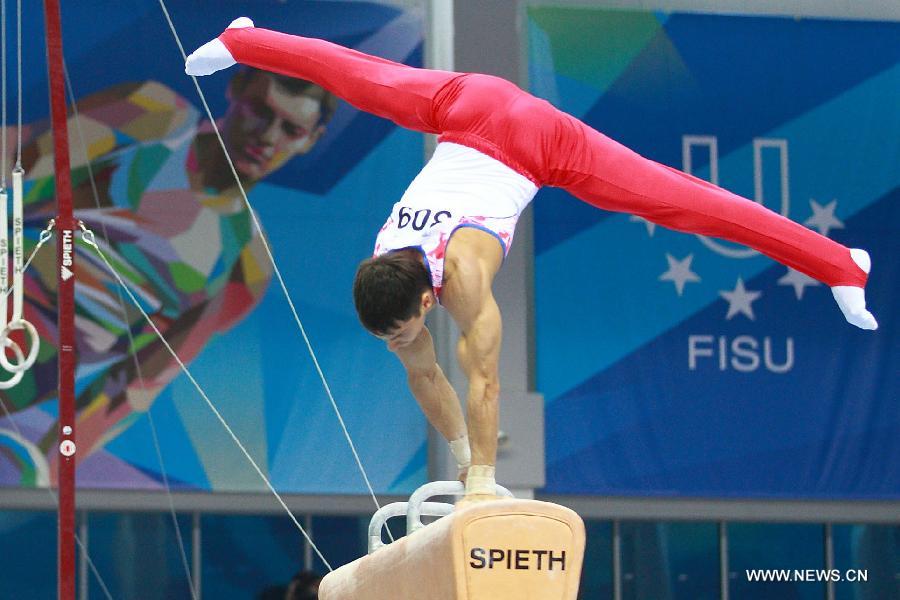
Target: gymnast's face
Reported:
[(406, 332), (266, 124)]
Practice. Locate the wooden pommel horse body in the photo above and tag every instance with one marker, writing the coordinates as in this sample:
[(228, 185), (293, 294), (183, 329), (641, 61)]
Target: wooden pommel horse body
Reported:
[(505, 549)]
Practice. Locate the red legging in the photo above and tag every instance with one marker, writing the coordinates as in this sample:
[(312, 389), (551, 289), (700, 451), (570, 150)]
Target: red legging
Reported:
[(544, 144)]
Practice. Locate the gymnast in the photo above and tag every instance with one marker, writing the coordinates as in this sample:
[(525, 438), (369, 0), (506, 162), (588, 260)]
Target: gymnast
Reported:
[(446, 238)]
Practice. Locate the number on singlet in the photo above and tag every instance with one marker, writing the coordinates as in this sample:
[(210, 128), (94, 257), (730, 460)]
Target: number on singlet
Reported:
[(442, 213), (403, 217), (419, 224), (419, 219)]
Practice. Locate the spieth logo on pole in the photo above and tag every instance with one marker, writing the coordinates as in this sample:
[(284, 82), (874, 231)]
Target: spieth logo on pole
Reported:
[(65, 271)]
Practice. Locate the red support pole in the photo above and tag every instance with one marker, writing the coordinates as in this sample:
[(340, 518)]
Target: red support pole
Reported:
[(65, 227)]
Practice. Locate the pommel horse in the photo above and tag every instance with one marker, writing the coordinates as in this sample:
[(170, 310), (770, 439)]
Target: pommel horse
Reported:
[(505, 549)]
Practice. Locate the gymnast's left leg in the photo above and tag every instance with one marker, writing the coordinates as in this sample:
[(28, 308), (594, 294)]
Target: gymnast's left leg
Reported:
[(610, 176)]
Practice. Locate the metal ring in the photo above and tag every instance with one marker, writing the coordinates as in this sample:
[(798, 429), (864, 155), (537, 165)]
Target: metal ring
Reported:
[(27, 362), (17, 375)]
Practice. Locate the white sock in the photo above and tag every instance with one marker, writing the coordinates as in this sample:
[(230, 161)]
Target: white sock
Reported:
[(213, 55), (851, 299), (241, 22)]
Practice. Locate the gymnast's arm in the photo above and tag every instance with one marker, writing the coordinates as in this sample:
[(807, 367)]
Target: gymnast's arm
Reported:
[(406, 95), (432, 391), (468, 297)]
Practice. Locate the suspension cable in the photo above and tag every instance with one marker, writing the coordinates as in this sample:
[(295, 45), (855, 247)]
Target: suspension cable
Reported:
[(3, 76), (131, 345), (93, 567), (88, 237), (277, 271), (4, 248), (4, 225), (19, 81), (43, 238), (17, 322)]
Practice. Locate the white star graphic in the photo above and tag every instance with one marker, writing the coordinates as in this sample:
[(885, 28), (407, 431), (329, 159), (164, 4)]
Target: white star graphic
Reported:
[(798, 280), (679, 272), (823, 217), (651, 226), (739, 300)]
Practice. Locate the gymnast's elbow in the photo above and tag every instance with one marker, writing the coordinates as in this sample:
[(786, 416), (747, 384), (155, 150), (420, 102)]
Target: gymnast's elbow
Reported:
[(484, 384), (424, 376)]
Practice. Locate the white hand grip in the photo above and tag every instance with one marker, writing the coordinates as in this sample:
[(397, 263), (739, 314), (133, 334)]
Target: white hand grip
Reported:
[(397, 509), (437, 488)]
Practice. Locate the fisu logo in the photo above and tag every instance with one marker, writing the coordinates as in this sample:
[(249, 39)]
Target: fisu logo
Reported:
[(743, 353)]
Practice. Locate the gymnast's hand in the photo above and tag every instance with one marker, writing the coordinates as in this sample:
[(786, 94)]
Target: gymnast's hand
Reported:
[(213, 55)]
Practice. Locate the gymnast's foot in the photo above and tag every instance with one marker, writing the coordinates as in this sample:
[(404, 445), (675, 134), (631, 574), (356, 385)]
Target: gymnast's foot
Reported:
[(213, 55), (851, 299)]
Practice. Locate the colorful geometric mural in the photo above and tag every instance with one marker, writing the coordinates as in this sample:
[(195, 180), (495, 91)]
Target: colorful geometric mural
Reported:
[(162, 201)]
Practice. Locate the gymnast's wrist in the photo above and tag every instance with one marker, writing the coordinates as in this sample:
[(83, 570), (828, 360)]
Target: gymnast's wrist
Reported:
[(481, 480), (459, 448)]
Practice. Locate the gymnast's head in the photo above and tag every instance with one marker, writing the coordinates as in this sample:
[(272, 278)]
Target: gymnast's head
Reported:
[(392, 293), (272, 118)]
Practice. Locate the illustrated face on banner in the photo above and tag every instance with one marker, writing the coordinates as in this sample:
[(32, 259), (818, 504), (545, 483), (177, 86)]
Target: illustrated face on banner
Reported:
[(270, 120), (162, 198)]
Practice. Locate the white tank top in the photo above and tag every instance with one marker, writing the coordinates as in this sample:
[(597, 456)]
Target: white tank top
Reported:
[(458, 187)]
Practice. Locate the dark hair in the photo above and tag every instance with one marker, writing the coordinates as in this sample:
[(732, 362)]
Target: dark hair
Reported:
[(295, 87), (387, 290)]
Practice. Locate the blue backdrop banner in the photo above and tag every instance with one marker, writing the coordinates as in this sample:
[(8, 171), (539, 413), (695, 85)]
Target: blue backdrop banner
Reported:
[(677, 365)]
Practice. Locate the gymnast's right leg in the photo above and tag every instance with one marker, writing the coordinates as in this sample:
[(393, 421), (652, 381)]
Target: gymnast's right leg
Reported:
[(405, 95)]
